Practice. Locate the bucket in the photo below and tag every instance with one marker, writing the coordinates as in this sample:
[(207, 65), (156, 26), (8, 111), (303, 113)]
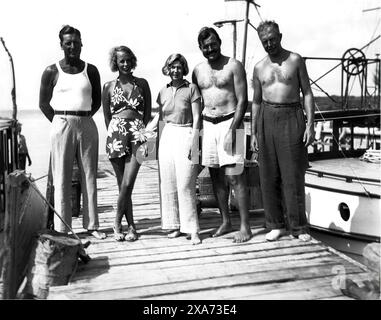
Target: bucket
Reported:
[(53, 262), (205, 194)]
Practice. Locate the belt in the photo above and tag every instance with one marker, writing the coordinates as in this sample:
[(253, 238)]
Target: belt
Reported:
[(282, 105), (74, 113), (216, 120)]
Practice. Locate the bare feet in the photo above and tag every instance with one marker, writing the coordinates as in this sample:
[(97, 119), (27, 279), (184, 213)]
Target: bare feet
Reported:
[(223, 229), (174, 234), (242, 235), (97, 234), (118, 234), (304, 237), (195, 238), (131, 234), (275, 234)]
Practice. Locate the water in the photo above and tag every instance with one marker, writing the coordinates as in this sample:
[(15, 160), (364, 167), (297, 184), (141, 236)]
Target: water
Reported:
[(36, 129)]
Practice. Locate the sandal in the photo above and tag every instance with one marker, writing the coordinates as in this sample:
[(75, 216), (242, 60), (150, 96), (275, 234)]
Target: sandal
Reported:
[(131, 234), (118, 235)]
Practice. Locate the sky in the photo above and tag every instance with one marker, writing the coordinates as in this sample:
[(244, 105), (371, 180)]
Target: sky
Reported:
[(154, 29)]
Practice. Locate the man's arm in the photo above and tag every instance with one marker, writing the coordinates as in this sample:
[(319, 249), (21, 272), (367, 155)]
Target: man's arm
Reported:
[(48, 80), (95, 81), (196, 112), (240, 88), (29, 159), (240, 91), (255, 107), (194, 77), (309, 103), (194, 80)]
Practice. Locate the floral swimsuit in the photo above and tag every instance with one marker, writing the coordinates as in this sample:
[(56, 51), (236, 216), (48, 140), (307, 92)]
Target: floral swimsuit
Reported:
[(122, 133)]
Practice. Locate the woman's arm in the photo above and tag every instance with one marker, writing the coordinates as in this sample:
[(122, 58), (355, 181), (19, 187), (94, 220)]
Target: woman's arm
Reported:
[(106, 103), (147, 100)]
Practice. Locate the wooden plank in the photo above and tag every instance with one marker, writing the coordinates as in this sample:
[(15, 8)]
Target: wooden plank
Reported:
[(209, 262), (179, 273), (315, 288), (107, 291), (155, 267)]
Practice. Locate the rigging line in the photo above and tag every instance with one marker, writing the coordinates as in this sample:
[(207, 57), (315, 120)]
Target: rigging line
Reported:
[(350, 90), (256, 8), (326, 93), (50, 206), (338, 144), (374, 32), (34, 180)]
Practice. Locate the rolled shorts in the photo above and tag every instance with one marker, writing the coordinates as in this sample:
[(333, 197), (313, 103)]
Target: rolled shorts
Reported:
[(213, 153)]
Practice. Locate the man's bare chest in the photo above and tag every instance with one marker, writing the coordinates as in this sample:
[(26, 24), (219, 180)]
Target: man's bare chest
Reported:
[(284, 74), (209, 78)]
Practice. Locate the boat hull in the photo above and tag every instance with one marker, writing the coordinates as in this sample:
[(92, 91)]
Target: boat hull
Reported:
[(342, 211)]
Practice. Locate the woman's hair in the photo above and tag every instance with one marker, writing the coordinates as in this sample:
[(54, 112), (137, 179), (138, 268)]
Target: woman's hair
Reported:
[(124, 49), (171, 59)]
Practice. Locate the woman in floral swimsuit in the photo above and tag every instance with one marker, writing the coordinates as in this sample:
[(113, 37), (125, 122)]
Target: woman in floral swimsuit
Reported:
[(127, 109)]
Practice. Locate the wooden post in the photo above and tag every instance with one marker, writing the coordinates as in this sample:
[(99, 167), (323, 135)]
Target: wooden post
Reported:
[(11, 213)]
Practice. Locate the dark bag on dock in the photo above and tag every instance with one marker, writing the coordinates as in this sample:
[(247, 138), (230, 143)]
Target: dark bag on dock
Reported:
[(53, 262)]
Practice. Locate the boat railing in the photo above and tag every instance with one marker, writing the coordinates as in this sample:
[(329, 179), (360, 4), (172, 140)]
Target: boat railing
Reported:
[(8, 158), (347, 178), (345, 133)]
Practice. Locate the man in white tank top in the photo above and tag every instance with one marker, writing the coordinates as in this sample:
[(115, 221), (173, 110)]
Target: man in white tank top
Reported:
[(70, 94)]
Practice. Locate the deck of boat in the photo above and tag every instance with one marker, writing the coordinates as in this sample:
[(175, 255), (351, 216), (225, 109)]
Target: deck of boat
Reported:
[(155, 267)]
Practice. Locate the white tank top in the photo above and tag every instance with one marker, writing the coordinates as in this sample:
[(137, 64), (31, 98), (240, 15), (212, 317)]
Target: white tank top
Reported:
[(72, 92)]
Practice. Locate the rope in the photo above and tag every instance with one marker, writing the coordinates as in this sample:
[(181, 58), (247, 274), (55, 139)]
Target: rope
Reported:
[(51, 207), (42, 177)]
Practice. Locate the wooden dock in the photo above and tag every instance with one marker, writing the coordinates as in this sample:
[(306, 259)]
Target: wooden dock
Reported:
[(155, 267)]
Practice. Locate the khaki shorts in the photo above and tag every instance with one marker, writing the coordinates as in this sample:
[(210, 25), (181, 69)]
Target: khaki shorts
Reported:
[(213, 153)]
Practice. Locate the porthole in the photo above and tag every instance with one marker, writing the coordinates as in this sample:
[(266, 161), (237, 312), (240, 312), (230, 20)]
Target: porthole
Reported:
[(345, 213)]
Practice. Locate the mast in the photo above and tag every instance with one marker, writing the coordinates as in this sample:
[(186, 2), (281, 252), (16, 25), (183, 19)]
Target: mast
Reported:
[(247, 23), (13, 92), (245, 32)]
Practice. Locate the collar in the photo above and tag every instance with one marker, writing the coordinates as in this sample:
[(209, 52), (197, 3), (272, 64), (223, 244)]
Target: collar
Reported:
[(185, 83)]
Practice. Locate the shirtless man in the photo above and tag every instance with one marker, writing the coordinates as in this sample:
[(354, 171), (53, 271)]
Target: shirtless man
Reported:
[(223, 87), (70, 94), (280, 132)]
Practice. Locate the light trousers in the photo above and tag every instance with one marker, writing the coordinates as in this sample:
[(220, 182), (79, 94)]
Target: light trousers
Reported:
[(177, 180), (74, 137)]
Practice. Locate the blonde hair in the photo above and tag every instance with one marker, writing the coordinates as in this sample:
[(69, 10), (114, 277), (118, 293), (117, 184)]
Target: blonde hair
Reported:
[(124, 49)]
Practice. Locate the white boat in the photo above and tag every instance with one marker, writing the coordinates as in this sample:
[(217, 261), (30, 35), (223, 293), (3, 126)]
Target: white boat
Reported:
[(343, 187)]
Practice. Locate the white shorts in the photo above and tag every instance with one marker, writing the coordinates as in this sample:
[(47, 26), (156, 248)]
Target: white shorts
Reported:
[(213, 153)]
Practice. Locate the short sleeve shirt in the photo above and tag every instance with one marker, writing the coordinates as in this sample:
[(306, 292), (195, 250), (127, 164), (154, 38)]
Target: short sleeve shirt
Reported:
[(176, 103)]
